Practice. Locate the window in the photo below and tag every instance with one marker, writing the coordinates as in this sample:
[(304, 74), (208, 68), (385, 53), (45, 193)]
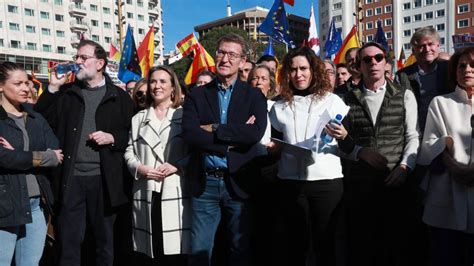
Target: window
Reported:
[(388, 34), (46, 48), (406, 46), (1, 42), (15, 44), (388, 22), (388, 9), (141, 31), (130, 2), (129, 15), (59, 17), (44, 1), (29, 12), (368, 1), (44, 14), (370, 38), (58, 2), (338, 18), (337, 6), (440, 27), (95, 23), (406, 19), (429, 15), (406, 33), (140, 3), (416, 3), (14, 26), (417, 17), (60, 33), (61, 50), (440, 13), (95, 38), (428, 2), (30, 29), (94, 7), (463, 23), (106, 10), (12, 9), (463, 8), (107, 25), (369, 25), (108, 39), (406, 6), (30, 46), (45, 31), (368, 12), (378, 10), (439, 1), (1, 24), (141, 17)]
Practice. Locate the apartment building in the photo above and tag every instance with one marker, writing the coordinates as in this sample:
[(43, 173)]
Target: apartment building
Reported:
[(33, 32), (464, 17)]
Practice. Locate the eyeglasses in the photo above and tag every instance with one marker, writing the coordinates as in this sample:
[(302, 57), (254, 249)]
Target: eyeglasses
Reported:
[(231, 55), (83, 57), (330, 72), (378, 57)]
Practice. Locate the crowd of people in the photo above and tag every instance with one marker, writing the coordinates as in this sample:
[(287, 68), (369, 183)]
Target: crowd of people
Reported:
[(299, 163)]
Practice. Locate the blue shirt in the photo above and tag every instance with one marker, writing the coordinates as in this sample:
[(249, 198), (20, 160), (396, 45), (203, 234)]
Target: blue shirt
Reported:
[(224, 94)]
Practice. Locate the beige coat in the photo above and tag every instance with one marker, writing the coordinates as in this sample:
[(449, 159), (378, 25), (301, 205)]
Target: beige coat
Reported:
[(153, 142)]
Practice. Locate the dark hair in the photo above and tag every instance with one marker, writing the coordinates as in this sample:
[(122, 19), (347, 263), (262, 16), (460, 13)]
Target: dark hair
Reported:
[(130, 81), (267, 58), (272, 92), (175, 94), (5, 69), (235, 38), (453, 64), (319, 85), (205, 73), (341, 65), (99, 51), (136, 99), (349, 51), (367, 45)]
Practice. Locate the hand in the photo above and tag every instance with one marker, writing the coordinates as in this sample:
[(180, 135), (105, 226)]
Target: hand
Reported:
[(397, 177), (207, 128), (6, 144), (101, 138), (273, 147), (373, 158), (251, 120), (59, 155), (462, 174), (336, 131), (56, 82), (166, 169), (149, 172)]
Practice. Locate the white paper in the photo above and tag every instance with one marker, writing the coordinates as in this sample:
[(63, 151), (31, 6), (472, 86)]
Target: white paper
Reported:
[(293, 149)]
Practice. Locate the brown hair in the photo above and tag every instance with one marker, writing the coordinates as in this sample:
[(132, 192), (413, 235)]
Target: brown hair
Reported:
[(319, 85), (175, 94), (272, 91), (453, 64)]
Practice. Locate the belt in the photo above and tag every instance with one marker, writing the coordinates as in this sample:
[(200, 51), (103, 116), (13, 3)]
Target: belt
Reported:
[(217, 172)]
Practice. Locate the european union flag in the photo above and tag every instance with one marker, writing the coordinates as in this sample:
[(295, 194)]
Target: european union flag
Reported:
[(380, 36), (276, 24), (269, 50), (334, 40), (129, 68)]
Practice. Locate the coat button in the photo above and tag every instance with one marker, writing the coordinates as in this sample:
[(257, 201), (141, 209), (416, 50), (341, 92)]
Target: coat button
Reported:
[(69, 157), (27, 213), (74, 129)]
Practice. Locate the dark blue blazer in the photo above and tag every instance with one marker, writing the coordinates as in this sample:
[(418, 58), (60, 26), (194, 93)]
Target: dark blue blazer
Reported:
[(201, 107)]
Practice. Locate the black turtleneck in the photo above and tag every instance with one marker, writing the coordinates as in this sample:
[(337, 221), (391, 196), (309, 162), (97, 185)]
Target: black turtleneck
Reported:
[(303, 93)]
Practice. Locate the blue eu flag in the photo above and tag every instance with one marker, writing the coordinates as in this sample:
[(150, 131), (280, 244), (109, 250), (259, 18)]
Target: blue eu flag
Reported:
[(276, 24), (269, 50), (380, 36), (129, 68), (334, 40)]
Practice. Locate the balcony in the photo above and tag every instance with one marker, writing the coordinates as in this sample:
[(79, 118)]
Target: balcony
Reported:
[(78, 26), (75, 40), (153, 12), (77, 10)]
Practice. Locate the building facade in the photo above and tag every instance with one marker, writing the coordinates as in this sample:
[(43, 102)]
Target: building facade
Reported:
[(33, 32), (464, 17)]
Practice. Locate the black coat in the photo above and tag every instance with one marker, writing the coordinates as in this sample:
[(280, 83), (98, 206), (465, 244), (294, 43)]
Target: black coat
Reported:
[(64, 111), (15, 207)]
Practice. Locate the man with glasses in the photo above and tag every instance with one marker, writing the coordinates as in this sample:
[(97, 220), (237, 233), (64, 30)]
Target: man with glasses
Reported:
[(91, 117), (223, 121), (383, 143)]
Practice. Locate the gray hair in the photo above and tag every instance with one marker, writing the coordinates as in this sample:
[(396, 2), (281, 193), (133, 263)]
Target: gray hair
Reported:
[(422, 33)]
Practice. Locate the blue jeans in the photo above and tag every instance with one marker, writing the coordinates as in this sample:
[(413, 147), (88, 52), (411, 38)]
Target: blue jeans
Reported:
[(25, 241), (206, 215)]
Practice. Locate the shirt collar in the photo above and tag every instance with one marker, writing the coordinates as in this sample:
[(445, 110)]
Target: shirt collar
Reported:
[(102, 83), (221, 87), (423, 73), (382, 88)]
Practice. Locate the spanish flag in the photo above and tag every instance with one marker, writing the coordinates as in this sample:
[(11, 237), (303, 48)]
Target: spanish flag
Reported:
[(350, 41), (146, 51), (202, 61), (410, 60), (114, 53), (187, 45)]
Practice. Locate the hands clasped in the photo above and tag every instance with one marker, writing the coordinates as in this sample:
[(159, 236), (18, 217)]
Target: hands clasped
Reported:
[(159, 173)]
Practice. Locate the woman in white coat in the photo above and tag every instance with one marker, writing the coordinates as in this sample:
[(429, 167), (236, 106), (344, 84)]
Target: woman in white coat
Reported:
[(155, 157)]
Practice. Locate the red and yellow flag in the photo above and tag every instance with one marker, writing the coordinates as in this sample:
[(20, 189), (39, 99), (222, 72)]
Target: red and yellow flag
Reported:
[(401, 57), (187, 45), (202, 61), (114, 53), (350, 41), (146, 51), (290, 2), (37, 82), (410, 60)]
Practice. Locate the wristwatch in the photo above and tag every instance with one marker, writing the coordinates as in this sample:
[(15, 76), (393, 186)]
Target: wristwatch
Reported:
[(214, 127)]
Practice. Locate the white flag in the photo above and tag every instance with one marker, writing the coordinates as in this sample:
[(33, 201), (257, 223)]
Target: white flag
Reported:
[(313, 39)]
